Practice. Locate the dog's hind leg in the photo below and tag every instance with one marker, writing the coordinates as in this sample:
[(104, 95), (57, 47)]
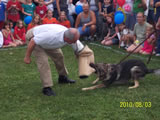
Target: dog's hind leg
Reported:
[(94, 87), (94, 82), (136, 84)]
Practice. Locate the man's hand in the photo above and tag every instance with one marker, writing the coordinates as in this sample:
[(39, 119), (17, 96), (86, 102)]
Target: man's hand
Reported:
[(84, 27), (27, 60)]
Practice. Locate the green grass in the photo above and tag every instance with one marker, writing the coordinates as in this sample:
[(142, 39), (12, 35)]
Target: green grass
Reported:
[(21, 97)]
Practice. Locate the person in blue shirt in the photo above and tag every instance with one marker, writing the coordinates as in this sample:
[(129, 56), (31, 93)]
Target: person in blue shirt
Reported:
[(2, 14)]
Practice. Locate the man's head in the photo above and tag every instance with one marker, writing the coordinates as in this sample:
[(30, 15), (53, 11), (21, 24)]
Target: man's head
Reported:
[(71, 35), (85, 7), (140, 18)]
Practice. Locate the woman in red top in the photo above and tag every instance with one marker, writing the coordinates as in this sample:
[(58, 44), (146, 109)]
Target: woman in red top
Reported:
[(36, 21), (13, 8), (20, 33), (63, 20)]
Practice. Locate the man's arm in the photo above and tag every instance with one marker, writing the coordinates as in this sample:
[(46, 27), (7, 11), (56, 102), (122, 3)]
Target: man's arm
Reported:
[(30, 48), (77, 47), (158, 24)]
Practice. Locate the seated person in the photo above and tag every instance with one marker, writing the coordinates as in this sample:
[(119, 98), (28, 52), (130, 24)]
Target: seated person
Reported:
[(139, 33), (63, 20), (8, 39), (49, 19), (86, 21), (35, 22), (149, 44), (111, 37), (125, 38), (20, 33)]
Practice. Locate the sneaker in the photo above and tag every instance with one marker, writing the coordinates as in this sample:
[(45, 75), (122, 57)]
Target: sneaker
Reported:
[(48, 91), (63, 79)]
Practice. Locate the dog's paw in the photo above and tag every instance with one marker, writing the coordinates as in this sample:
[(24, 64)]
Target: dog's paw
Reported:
[(94, 82), (131, 87), (84, 89)]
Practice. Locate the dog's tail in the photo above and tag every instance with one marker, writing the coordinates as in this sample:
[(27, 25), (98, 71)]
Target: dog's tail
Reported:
[(154, 71)]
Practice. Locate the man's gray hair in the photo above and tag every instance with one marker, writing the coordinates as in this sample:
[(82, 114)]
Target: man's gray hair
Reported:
[(70, 33)]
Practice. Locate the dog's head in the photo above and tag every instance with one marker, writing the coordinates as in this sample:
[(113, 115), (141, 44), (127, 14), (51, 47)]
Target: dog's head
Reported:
[(103, 70)]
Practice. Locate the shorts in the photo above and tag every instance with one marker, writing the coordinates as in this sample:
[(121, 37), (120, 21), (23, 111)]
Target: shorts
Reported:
[(85, 32)]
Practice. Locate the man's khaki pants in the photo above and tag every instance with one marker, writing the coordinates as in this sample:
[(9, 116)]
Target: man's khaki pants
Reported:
[(41, 56)]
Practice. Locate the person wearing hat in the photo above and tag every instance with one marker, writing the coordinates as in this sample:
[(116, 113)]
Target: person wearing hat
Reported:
[(46, 40)]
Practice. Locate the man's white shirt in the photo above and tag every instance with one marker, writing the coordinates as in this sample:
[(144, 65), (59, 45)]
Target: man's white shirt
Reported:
[(51, 36)]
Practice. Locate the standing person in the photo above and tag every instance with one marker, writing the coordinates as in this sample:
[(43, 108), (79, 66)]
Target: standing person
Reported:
[(2, 14), (46, 40), (41, 9), (28, 8), (157, 6), (63, 20), (13, 9), (139, 33), (62, 6), (150, 17), (138, 6), (86, 22), (157, 16)]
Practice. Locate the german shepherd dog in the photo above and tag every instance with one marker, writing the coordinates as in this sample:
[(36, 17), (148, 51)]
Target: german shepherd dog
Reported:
[(121, 73)]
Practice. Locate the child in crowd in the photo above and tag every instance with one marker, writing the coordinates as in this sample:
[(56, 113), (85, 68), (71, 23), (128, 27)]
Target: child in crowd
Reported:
[(13, 9), (8, 36), (111, 37), (35, 22), (63, 20), (20, 33), (125, 37), (2, 14), (107, 8), (149, 43), (41, 9), (28, 8), (11, 26), (49, 19)]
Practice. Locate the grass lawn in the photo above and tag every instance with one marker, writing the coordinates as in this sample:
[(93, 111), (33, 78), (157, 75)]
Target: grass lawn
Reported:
[(21, 97)]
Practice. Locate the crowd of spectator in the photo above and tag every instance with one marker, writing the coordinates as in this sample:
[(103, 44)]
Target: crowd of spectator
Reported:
[(95, 22)]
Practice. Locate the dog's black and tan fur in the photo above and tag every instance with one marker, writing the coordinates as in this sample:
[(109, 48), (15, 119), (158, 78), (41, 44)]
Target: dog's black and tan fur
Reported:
[(130, 69)]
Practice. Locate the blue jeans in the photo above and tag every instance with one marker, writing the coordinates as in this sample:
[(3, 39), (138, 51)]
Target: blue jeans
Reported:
[(86, 32), (158, 43)]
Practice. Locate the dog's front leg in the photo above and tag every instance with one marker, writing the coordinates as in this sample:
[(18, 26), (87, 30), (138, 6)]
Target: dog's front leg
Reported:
[(136, 84), (94, 82), (93, 87)]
